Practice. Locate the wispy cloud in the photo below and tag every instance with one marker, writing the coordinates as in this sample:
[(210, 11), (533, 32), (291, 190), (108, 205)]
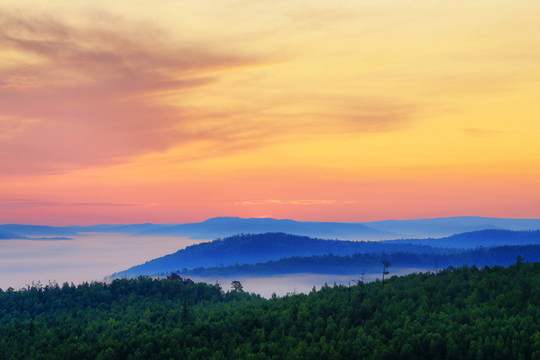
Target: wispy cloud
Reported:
[(91, 96), (24, 203), (17, 82), (481, 132), (85, 99), (297, 202)]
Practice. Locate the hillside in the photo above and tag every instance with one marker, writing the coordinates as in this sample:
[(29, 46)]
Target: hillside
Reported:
[(473, 239), (464, 313), (256, 248), (36, 230), (7, 236), (228, 226), (401, 262), (253, 248), (376, 230), (446, 226)]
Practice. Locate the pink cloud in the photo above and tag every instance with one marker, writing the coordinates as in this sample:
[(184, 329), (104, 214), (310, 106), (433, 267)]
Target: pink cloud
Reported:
[(17, 82), (89, 101), (296, 202), (86, 103), (8, 204)]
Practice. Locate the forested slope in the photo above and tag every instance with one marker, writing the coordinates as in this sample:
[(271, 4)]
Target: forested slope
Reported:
[(474, 239), (253, 248), (466, 313), (371, 262)]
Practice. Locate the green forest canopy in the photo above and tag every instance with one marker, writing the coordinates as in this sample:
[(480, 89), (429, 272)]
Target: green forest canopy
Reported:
[(466, 313)]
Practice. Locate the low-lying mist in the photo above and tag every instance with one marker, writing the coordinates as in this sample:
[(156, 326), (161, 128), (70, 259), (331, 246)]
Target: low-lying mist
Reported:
[(91, 257), (286, 284), (95, 256)]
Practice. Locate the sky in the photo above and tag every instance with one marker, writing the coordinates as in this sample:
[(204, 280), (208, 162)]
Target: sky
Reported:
[(178, 111)]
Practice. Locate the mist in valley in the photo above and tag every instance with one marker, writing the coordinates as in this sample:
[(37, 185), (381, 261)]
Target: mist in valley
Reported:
[(95, 256), (90, 257), (289, 284)]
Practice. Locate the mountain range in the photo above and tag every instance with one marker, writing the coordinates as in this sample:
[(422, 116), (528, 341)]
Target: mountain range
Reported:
[(257, 248), (228, 226), (401, 262), (253, 248)]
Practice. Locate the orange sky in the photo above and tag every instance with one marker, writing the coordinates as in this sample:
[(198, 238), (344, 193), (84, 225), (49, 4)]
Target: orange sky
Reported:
[(177, 111)]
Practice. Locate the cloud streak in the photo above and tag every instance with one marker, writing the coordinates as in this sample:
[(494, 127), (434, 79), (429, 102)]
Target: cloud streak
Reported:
[(21, 203), (91, 96), (296, 202), (86, 97), (481, 133)]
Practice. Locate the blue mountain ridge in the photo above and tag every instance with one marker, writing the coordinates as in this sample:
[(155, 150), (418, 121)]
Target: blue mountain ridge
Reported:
[(483, 238), (9, 236), (227, 226), (445, 226), (401, 262), (256, 248), (253, 248), (36, 230)]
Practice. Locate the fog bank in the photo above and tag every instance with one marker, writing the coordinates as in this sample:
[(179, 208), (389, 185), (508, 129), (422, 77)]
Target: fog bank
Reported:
[(90, 257)]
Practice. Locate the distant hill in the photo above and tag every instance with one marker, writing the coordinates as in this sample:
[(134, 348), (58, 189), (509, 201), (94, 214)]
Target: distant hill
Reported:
[(377, 230), (439, 227), (371, 263), (485, 238), (39, 232), (7, 236), (36, 230), (130, 229), (253, 248), (227, 226)]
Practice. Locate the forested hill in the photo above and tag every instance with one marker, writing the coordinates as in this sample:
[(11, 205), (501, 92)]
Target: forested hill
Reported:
[(371, 263), (473, 239), (256, 248), (465, 313), (253, 248)]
